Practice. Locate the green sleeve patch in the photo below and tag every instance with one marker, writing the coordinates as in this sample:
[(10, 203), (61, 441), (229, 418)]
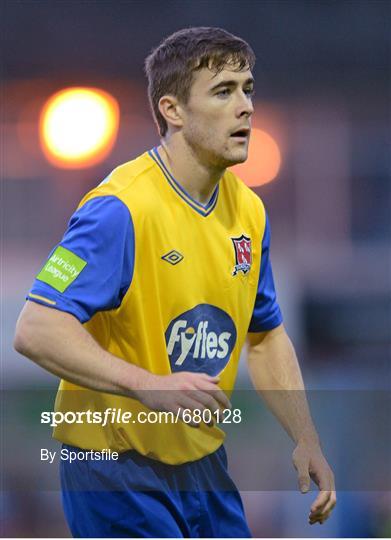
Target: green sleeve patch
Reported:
[(61, 269)]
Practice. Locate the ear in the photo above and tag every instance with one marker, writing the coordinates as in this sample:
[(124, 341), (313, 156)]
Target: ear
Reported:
[(171, 111)]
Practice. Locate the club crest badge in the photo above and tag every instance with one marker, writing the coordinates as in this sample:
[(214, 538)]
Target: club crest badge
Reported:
[(243, 258)]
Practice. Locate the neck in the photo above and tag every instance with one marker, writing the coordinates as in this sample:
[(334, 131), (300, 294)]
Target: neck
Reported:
[(196, 177)]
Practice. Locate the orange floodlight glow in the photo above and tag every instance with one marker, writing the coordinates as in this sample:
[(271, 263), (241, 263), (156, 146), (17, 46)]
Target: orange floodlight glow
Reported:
[(78, 127), (263, 162)]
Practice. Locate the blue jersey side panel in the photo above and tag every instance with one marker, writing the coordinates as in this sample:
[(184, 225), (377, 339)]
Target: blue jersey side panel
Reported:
[(266, 314)]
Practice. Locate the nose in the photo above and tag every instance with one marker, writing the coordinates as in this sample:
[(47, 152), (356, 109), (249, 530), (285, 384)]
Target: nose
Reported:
[(245, 105)]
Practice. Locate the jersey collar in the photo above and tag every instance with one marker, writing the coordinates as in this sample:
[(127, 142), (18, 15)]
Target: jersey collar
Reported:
[(203, 210)]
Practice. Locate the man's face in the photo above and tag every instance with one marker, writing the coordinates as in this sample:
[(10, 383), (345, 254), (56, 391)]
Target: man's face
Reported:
[(217, 117)]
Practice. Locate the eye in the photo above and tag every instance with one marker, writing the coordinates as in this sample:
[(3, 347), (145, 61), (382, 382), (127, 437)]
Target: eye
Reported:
[(249, 91), (225, 92)]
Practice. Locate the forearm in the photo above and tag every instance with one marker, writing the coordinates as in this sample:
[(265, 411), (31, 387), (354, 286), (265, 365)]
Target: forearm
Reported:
[(276, 375), (60, 344)]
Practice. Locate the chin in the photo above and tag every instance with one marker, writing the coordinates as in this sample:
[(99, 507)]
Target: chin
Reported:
[(228, 157), (235, 158)]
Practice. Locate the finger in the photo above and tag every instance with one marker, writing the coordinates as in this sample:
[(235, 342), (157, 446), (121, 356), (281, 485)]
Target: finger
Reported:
[(205, 404), (202, 398), (217, 395), (320, 519), (209, 384), (326, 516), (327, 508), (206, 400), (214, 397), (313, 521), (191, 402), (320, 502), (188, 405), (221, 398), (304, 482), (304, 479), (201, 403), (323, 514)]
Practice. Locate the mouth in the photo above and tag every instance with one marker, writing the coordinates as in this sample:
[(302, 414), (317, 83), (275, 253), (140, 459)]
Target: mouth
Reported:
[(240, 135)]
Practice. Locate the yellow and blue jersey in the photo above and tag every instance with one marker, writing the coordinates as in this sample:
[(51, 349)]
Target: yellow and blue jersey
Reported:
[(165, 283)]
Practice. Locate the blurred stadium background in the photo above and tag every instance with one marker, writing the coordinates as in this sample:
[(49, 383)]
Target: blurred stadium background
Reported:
[(320, 161)]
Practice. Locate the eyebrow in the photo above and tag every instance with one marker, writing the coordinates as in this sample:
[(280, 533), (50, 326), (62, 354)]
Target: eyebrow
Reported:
[(231, 83)]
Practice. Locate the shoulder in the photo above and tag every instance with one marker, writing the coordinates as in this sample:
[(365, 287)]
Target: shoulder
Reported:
[(124, 182)]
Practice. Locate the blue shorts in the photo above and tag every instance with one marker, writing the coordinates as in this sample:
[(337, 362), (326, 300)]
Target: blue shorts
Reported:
[(135, 496)]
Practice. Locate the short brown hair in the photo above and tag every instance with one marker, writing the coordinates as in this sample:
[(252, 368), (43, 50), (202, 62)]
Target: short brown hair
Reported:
[(170, 66)]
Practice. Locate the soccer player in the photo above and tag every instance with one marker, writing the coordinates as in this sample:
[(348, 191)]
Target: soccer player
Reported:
[(147, 301)]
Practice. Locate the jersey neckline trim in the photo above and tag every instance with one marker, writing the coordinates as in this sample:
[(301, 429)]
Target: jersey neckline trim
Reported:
[(203, 210)]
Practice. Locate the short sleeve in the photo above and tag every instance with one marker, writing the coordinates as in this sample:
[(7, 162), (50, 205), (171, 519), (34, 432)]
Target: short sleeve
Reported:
[(266, 314), (91, 269)]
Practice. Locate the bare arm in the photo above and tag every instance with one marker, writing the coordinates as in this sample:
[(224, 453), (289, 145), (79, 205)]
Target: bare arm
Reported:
[(276, 375), (59, 343)]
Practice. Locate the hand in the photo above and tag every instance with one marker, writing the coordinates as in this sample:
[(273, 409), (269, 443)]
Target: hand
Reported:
[(310, 462), (184, 390)]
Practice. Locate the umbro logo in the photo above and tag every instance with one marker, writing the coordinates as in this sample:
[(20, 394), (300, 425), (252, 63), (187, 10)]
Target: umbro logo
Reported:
[(173, 257)]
